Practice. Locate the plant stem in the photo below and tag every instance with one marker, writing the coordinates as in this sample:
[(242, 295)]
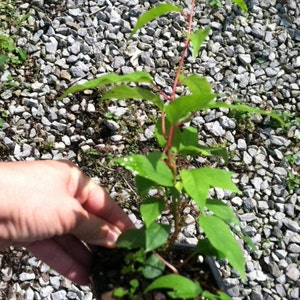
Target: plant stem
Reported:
[(170, 266), (187, 42), (176, 208)]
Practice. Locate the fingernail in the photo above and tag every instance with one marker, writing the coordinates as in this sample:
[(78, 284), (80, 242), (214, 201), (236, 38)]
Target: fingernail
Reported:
[(112, 236)]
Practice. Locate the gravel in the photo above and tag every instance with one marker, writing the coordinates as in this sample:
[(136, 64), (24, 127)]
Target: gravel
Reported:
[(254, 60)]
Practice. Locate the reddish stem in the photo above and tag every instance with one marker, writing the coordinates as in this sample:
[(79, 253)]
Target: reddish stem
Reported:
[(187, 42), (176, 207)]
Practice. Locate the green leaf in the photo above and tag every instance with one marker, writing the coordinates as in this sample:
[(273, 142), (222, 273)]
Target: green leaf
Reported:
[(112, 78), (132, 239), (7, 44), (208, 295), (241, 4), (182, 287), (153, 268), (143, 185), (189, 137), (183, 106), (249, 242), (188, 145), (154, 13), (205, 247), (22, 54), (138, 93), (134, 283), (3, 60), (159, 134), (197, 84), (220, 296), (147, 238), (221, 238), (156, 236), (151, 208), (245, 108), (150, 167), (222, 211), (197, 38), (197, 183), (120, 292), (223, 296)]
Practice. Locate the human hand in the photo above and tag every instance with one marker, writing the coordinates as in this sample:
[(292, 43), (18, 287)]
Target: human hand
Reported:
[(50, 207)]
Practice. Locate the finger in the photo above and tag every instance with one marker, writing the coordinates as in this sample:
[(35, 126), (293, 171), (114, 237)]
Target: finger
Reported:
[(97, 201), (93, 230), (76, 266)]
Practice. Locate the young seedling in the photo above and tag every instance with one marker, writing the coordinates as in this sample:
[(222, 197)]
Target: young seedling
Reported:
[(178, 184)]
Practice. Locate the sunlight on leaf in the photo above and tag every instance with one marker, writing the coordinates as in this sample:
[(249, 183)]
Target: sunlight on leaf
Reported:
[(197, 183), (241, 4), (137, 93), (221, 238), (245, 108), (141, 77), (183, 106), (182, 287), (197, 84), (222, 211), (151, 208), (154, 13), (150, 167), (197, 39)]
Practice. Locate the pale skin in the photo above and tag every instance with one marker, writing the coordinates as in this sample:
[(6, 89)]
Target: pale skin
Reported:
[(55, 211)]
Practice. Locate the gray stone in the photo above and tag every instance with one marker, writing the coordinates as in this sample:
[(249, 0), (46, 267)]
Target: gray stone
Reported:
[(51, 47), (227, 123), (293, 272), (75, 48), (59, 126), (59, 295), (91, 108), (280, 290), (294, 248), (248, 217), (46, 291), (241, 144), (279, 141), (274, 269), (292, 225), (116, 138), (295, 293), (256, 182), (119, 61), (215, 128), (24, 276), (247, 159), (245, 58), (257, 275)]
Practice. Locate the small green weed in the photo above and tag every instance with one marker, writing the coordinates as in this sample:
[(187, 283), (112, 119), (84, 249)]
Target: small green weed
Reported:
[(244, 120), (8, 84), (9, 53), (215, 3), (112, 116), (288, 119), (293, 181), (291, 158)]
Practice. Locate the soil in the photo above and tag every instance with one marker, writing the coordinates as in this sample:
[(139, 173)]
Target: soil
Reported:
[(106, 274)]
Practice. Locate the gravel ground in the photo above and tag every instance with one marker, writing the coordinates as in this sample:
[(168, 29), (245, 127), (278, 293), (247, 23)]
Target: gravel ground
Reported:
[(254, 60)]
